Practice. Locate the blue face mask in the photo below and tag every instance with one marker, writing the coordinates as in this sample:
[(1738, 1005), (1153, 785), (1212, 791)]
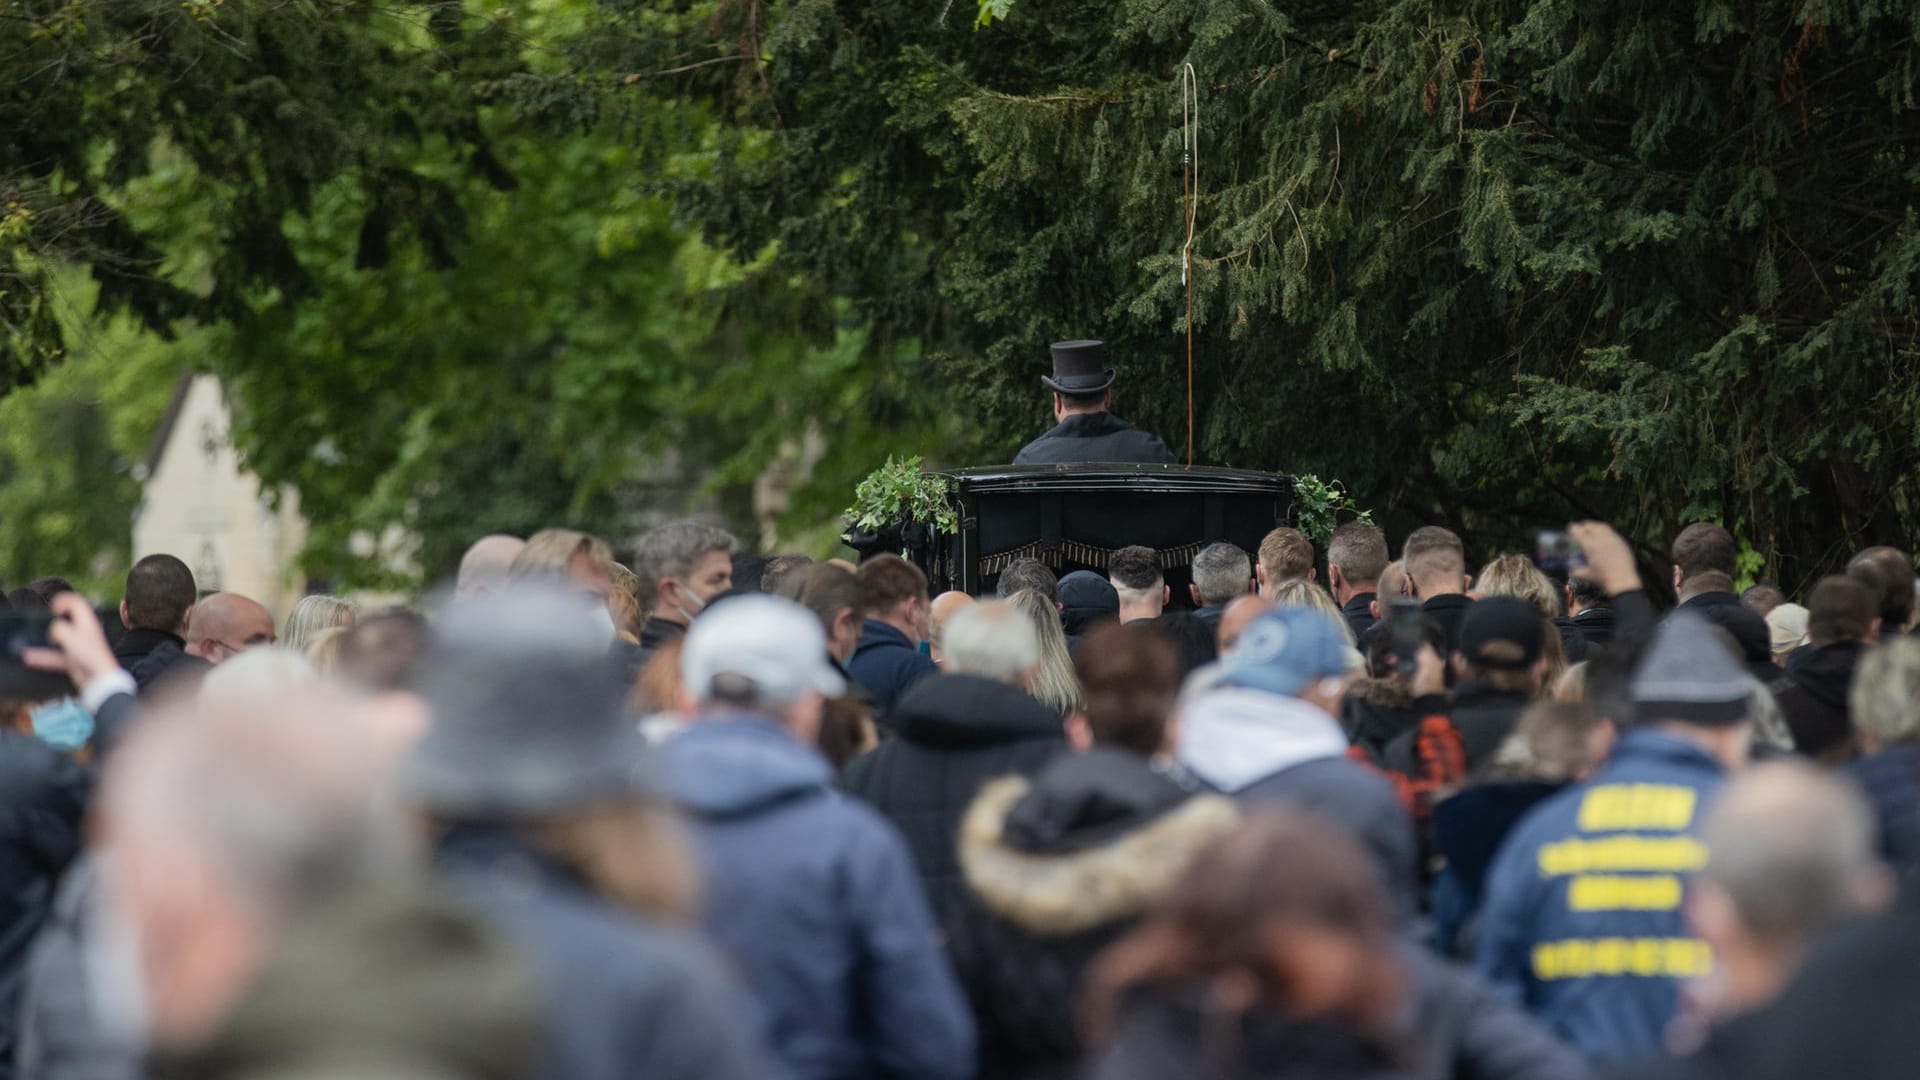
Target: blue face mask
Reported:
[(64, 724)]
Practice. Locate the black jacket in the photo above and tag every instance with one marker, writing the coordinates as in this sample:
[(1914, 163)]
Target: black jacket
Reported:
[(1094, 437), (1375, 713), (1748, 629), (168, 664), (138, 643), (1169, 1032), (1849, 1012), (1446, 609), (1573, 641), (952, 734), (1359, 615), (1056, 870), (1596, 624), (1484, 717), (1460, 1026), (43, 797), (1813, 696)]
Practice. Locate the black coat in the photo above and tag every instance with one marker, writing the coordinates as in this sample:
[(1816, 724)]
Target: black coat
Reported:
[(1359, 615), (1849, 1012), (1482, 715), (43, 797), (1056, 870), (1095, 437), (1359, 798), (1891, 779), (1375, 713), (1596, 624), (138, 643), (168, 665), (1447, 609), (1748, 629), (952, 734), (1182, 1033), (1573, 642), (1813, 697)]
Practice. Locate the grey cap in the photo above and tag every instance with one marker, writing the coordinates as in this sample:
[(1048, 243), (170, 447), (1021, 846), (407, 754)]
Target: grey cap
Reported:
[(528, 717), (1690, 675)]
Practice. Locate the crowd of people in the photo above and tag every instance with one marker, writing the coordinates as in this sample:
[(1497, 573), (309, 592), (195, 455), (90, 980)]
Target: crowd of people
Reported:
[(1331, 814)]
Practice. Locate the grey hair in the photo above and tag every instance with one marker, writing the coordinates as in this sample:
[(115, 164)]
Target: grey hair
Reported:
[(1769, 720), (1054, 683), (312, 615), (1885, 699), (1794, 850), (291, 805), (990, 639), (671, 550), (1221, 572)]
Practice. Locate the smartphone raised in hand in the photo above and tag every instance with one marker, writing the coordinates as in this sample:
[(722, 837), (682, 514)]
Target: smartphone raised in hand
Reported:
[(1557, 552)]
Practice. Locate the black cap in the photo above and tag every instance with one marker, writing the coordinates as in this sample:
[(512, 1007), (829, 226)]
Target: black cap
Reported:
[(1500, 620)]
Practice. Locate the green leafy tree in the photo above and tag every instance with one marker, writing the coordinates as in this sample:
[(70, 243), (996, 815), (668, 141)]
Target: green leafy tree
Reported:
[(1491, 262)]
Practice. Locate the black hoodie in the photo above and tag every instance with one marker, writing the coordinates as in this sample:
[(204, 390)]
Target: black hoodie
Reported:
[(1813, 695), (952, 734)]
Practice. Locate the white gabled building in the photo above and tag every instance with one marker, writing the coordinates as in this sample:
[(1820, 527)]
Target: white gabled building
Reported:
[(199, 504)]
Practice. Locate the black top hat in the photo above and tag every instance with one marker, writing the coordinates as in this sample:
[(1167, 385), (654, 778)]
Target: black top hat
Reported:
[(1080, 367)]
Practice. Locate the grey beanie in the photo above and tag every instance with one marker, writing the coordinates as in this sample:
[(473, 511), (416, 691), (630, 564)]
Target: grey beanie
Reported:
[(1689, 675)]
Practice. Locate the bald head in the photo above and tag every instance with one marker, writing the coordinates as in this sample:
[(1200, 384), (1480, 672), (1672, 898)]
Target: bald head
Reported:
[(225, 625), (1234, 620), (943, 608), (484, 567)]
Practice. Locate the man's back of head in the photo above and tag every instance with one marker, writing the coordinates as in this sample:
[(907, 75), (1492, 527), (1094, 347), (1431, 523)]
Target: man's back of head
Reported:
[(1762, 599), (160, 592), (1791, 857), (484, 566), (1136, 575), (1435, 561), (1356, 557), (1703, 548), (1890, 571), (1220, 573), (1028, 575), (994, 640), (1841, 609), (1285, 555), (894, 591)]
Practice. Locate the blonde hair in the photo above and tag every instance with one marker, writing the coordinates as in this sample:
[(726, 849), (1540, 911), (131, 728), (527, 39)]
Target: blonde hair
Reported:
[(312, 615), (630, 851), (1298, 593), (550, 552), (1516, 576), (324, 650), (1054, 684)]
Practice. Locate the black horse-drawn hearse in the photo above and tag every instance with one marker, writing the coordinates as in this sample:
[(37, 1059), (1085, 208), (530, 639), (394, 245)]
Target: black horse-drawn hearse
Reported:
[(1073, 517)]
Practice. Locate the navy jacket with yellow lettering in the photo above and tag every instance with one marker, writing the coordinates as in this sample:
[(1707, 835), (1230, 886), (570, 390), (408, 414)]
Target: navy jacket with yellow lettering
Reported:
[(1583, 920)]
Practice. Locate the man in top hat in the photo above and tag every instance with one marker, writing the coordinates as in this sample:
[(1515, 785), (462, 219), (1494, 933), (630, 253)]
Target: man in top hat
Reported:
[(1082, 386)]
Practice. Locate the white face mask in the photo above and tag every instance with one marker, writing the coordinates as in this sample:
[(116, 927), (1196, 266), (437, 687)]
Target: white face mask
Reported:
[(682, 608)]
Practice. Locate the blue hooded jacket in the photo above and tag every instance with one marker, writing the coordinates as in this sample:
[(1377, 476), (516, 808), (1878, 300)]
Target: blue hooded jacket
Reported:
[(1583, 920), (814, 896), (887, 664)]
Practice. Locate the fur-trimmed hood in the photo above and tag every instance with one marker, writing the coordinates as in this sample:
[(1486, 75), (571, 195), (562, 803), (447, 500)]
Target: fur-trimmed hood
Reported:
[(1057, 893), (1381, 693)]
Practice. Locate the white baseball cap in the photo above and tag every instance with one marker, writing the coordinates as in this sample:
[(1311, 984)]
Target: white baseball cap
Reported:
[(776, 645)]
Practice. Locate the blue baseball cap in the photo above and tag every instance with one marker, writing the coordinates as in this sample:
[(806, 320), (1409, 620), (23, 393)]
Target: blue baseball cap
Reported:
[(1286, 651)]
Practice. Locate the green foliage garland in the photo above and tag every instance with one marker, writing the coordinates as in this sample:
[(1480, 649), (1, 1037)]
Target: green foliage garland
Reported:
[(899, 493)]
